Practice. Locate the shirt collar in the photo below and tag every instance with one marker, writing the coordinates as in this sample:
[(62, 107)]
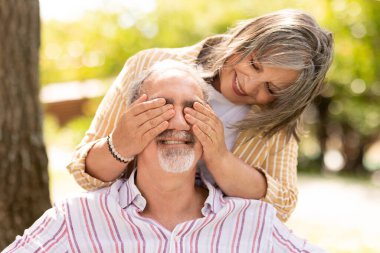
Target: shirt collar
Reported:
[(214, 200), (129, 194)]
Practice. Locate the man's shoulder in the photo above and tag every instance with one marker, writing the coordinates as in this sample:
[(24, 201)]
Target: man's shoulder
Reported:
[(109, 195), (249, 203), (253, 210), (235, 207)]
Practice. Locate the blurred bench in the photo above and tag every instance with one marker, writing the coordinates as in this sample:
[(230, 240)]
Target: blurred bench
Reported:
[(66, 101)]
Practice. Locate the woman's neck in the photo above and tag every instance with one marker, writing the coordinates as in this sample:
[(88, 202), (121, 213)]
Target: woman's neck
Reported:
[(216, 83)]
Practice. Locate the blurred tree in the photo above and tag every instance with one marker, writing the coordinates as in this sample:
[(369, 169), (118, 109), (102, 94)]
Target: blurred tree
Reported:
[(23, 165), (349, 111)]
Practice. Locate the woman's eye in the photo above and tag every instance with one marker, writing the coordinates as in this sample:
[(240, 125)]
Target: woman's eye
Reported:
[(254, 65), (270, 90)]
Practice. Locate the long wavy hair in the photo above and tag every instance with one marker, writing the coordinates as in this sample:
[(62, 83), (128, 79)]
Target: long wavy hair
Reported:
[(289, 39)]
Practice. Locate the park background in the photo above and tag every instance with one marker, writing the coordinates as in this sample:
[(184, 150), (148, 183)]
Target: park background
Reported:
[(84, 45)]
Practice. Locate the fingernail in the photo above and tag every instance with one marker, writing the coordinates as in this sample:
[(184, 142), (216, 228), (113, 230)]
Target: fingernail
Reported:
[(160, 100)]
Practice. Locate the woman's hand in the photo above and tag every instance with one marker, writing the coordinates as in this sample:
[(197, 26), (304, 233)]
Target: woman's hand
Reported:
[(208, 128), (140, 124)]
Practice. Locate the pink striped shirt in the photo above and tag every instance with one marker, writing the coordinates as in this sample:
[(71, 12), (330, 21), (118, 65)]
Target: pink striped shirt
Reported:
[(109, 220)]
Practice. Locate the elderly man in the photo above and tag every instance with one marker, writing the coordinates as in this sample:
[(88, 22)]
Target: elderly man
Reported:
[(163, 206)]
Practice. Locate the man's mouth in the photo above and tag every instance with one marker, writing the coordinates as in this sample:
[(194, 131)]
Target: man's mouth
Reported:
[(172, 137), (174, 142), (237, 88)]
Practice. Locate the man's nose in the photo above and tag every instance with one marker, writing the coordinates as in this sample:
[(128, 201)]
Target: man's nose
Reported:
[(178, 122)]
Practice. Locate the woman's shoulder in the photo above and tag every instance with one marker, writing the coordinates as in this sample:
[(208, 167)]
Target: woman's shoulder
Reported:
[(148, 57), (188, 54)]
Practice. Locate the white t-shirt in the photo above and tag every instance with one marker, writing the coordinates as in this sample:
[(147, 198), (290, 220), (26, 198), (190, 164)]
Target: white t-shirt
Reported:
[(230, 114)]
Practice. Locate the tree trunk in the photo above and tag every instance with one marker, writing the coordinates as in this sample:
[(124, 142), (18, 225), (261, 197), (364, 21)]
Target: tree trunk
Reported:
[(24, 193)]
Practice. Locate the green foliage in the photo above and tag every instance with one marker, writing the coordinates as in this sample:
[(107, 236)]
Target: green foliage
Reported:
[(355, 76), (68, 136), (98, 45)]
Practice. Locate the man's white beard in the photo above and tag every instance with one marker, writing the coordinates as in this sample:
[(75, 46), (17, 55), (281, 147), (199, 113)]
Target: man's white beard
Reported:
[(176, 160)]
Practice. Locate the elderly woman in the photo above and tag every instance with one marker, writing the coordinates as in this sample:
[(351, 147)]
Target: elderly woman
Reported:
[(262, 74)]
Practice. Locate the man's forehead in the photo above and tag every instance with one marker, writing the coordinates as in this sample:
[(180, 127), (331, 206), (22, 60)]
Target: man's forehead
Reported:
[(176, 87)]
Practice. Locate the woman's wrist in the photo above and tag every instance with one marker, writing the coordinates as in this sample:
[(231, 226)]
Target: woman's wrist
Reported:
[(100, 163), (114, 152), (218, 165), (228, 170)]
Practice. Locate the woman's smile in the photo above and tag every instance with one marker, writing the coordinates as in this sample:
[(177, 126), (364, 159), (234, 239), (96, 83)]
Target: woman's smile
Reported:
[(237, 88)]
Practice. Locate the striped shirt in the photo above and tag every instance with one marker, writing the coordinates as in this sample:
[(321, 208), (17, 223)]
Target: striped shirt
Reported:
[(276, 157), (109, 220)]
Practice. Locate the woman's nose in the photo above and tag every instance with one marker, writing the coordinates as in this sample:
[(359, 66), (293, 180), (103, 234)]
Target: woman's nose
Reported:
[(252, 86)]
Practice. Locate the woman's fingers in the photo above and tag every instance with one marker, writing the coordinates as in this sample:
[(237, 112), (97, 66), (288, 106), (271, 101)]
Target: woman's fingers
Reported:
[(152, 123), (197, 115), (153, 132), (203, 138), (143, 121), (146, 116), (204, 109), (143, 106), (204, 115), (204, 127)]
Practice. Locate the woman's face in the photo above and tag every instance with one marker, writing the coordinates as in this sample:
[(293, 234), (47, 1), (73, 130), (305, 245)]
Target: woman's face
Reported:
[(250, 82)]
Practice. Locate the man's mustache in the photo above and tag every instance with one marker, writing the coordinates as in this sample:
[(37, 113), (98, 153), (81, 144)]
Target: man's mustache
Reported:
[(173, 134)]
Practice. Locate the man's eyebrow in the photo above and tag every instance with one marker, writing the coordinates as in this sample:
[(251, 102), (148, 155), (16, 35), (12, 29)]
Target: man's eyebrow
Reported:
[(190, 103), (186, 103)]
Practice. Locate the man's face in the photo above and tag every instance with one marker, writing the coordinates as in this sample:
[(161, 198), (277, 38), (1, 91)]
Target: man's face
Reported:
[(176, 149)]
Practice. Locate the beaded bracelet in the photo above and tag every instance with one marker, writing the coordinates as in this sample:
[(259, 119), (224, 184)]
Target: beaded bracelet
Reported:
[(116, 154)]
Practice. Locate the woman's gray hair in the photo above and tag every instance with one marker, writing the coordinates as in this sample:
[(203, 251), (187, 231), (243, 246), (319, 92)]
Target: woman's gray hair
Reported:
[(135, 89), (289, 39)]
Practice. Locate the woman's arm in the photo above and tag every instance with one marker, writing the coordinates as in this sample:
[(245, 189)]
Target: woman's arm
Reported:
[(235, 182), (276, 158), (137, 127), (260, 168), (108, 113), (237, 178)]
